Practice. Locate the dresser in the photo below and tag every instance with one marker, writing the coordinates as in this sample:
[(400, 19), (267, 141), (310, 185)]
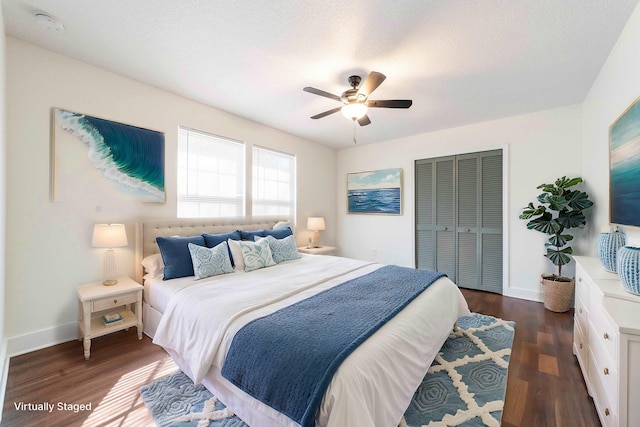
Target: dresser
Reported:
[(606, 342)]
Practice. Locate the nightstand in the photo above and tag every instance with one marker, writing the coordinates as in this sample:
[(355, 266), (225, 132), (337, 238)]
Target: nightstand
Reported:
[(322, 250), (96, 300)]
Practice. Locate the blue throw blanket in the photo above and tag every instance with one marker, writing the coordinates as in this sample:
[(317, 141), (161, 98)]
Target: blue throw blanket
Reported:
[(287, 359)]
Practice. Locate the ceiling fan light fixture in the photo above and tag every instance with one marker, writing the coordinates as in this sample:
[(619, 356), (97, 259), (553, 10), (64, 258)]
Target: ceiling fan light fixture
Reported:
[(354, 111)]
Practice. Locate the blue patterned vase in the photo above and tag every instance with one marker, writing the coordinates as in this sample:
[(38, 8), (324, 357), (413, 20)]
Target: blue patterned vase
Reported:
[(608, 245), (628, 264)]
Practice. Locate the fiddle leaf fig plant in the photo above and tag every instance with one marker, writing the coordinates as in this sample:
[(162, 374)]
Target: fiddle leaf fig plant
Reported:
[(558, 209)]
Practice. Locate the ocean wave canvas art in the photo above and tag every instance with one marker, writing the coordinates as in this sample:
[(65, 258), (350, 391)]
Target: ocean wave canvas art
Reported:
[(375, 192), (624, 168), (129, 157)]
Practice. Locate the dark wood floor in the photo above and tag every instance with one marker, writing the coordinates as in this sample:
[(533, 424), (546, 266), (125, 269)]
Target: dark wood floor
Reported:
[(545, 386)]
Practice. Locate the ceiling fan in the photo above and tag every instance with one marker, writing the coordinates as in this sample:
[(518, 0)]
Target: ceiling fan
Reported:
[(356, 101)]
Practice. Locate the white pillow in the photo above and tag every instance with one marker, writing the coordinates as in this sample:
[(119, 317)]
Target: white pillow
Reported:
[(281, 224), (236, 254), (256, 254), (153, 264), (209, 262)]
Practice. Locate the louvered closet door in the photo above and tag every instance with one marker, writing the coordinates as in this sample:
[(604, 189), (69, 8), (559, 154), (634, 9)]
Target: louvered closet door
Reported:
[(491, 220), (459, 218), (435, 218)]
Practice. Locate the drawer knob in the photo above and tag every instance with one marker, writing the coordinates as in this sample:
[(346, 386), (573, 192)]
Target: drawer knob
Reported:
[(580, 346), (580, 310), (606, 371), (579, 279), (115, 301), (606, 336), (606, 411)]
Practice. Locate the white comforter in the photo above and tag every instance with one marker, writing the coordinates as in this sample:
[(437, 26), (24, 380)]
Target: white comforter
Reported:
[(374, 384)]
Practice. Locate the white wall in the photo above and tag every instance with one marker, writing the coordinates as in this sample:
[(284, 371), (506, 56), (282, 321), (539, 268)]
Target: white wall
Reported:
[(50, 242), (4, 362), (616, 87), (538, 148)]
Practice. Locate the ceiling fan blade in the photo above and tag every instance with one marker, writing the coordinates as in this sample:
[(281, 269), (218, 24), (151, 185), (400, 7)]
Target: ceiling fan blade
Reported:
[(364, 120), (326, 113), (373, 80), (390, 103), (321, 93)]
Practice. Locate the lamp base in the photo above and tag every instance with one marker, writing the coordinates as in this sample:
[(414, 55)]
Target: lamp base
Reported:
[(110, 282)]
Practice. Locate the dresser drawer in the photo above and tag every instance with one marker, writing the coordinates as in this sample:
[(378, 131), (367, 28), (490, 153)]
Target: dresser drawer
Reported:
[(606, 410), (581, 313), (582, 285), (606, 371), (602, 332), (580, 346), (113, 302)]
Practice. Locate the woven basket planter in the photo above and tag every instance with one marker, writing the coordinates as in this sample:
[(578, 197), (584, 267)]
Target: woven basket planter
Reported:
[(557, 295)]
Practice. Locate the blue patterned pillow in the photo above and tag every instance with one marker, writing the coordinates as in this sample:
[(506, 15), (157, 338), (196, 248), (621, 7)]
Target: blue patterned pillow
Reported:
[(209, 262), (256, 254), (283, 249)]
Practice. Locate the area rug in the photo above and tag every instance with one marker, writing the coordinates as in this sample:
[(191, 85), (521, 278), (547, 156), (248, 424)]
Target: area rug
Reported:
[(465, 385)]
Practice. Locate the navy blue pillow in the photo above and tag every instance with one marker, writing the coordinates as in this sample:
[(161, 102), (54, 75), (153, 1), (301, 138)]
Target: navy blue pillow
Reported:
[(176, 256), (249, 235), (213, 240), (280, 233)]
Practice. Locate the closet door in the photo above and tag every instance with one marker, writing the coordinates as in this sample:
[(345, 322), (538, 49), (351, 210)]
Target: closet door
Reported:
[(491, 222), (435, 215), (459, 218), (467, 263)]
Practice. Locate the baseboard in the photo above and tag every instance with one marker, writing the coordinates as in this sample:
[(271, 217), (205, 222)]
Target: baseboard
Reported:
[(41, 339), (527, 294)]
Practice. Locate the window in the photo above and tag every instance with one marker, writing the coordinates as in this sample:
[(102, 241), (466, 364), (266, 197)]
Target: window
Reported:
[(210, 175), (274, 183)]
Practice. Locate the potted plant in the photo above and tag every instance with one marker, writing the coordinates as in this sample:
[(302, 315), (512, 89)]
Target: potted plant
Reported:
[(559, 209)]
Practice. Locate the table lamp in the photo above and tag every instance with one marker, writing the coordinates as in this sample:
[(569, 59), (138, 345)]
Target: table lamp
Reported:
[(109, 236), (315, 224)]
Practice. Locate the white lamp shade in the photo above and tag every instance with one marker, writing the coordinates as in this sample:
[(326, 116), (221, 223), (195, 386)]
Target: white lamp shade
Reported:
[(315, 223), (109, 236)]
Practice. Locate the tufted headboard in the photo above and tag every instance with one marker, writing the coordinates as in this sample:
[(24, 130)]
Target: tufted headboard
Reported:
[(148, 230)]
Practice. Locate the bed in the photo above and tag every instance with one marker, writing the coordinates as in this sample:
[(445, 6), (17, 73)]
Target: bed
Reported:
[(371, 387)]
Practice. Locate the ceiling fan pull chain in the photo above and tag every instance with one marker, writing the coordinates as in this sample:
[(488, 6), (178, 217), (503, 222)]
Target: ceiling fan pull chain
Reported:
[(354, 132)]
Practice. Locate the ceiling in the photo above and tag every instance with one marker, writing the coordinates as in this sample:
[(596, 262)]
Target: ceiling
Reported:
[(461, 62)]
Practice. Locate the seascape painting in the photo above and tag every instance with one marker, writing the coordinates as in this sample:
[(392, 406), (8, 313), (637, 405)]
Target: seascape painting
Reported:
[(624, 167), (375, 192), (130, 158)]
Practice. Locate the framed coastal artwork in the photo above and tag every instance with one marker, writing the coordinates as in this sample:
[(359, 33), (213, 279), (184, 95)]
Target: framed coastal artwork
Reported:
[(375, 192), (128, 159), (624, 167)]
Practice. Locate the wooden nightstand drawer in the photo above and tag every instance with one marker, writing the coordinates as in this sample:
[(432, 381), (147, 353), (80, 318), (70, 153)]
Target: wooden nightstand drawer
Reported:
[(113, 302)]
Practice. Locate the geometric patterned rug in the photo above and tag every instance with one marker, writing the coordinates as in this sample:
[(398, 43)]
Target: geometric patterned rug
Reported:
[(467, 381), (465, 385)]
